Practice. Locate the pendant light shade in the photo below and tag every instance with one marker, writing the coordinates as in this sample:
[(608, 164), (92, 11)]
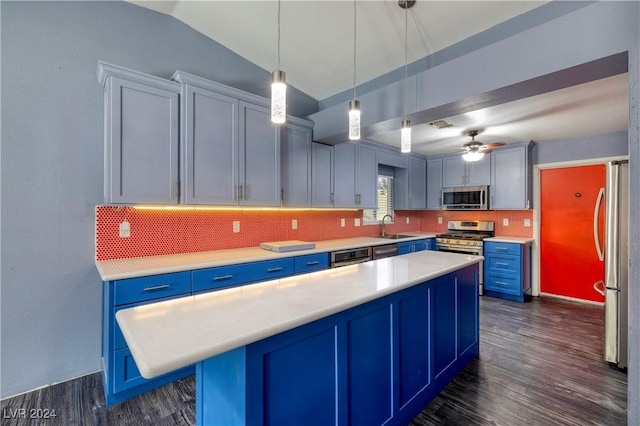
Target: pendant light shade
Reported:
[(405, 136), (472, 156), (278, 88), (354, 104), (278, 97), (354, 120)]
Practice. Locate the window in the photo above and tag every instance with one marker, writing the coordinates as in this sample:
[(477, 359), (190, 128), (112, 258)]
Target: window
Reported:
[(385, 201)]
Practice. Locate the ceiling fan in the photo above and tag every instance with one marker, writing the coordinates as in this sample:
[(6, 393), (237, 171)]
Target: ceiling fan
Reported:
[(474, 150)]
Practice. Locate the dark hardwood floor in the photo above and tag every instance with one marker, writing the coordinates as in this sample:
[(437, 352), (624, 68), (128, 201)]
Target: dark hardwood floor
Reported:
[(540, 364)]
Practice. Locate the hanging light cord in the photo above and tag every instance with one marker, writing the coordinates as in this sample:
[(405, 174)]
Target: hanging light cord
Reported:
[(354, 49), (278, 34), (406, 38)]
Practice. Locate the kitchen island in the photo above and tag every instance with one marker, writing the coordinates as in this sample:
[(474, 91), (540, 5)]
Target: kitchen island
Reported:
[(366, 344)]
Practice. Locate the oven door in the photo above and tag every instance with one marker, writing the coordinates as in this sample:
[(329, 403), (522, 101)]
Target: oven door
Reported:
[(475, 251)]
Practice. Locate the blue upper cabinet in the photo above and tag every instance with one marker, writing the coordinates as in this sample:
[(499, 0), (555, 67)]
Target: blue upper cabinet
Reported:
[(511, 183), (321, 175), (355, 176), (209, 147), (141, 137), (458, 172), (230, 148), (434, 183), (259, 157), (295, 164), (417, 183)]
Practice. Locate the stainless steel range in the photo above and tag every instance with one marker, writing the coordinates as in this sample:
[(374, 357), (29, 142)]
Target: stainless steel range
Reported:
[(466, 236)]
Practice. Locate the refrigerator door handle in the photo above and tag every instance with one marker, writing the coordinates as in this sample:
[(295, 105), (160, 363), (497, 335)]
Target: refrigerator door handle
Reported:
[(596, 227), (599, 287)]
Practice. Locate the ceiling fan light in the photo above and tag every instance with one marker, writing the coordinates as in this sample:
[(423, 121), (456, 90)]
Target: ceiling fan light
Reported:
[(354, 120), (405, 136), (472, 156), (278, 97)]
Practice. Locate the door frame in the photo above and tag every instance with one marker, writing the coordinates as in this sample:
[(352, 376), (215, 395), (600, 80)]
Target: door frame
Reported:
[(535, 261)]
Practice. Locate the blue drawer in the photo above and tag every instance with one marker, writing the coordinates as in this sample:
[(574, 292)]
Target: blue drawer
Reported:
[(311, 262), (227, 276), (150, 288), (502, 248), (506, 264), (503, 284)]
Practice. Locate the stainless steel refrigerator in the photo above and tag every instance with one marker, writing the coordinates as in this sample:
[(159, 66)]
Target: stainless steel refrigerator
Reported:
[(615, 256)]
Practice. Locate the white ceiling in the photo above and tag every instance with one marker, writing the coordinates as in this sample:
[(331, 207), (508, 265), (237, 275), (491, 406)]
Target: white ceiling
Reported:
[(316, 52)]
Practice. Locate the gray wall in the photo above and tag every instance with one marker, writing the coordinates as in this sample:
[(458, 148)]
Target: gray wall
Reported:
[(51, 167), (588, 147)]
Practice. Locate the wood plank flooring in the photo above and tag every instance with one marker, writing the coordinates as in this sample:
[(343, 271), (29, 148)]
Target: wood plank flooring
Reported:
[(540, 364)]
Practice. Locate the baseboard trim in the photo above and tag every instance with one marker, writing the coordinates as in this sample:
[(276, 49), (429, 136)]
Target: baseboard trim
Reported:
[(572, 299)]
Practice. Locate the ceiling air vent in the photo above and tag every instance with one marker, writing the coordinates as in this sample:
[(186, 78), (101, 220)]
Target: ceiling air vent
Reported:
[(441, 124)]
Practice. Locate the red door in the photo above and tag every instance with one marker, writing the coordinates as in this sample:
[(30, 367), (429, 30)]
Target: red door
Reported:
[(569, 264)]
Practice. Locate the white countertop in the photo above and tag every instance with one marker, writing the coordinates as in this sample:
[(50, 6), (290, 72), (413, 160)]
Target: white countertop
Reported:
[(518, 240), (168, 335), (153, 265)]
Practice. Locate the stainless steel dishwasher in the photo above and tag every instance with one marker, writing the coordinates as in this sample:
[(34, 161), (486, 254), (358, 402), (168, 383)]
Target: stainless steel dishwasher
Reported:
[(387, 250)]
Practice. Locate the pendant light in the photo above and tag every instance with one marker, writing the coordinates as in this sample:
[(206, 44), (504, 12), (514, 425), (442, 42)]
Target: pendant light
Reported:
[(278, 88), (354, 104), (405, 131)]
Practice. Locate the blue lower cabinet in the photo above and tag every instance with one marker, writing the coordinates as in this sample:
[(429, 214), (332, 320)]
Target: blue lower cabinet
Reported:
[(369, 365), (369, 373), (415, 245), (507, 270), (311, 262), (431, 244), (120, 376)]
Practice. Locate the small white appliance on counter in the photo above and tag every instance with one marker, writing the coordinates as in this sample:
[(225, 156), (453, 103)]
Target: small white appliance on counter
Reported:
[(289, 245)]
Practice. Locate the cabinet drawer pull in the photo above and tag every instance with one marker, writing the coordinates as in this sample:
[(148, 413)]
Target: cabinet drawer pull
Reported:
[(279, 268), (502, 264), (502, 248), (222, 277), (502, 284), (313, 262), (158, 287)]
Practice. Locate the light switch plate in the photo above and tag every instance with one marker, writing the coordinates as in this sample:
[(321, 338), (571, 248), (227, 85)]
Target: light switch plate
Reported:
[(407, 220), (439, 220), (294, 223), (342, 223), (527, 222), (236, 226), (505, 221), (356, 222)]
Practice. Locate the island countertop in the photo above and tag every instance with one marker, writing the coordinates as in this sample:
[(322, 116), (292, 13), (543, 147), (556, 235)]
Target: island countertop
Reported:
[(118, 269), (168, 335)]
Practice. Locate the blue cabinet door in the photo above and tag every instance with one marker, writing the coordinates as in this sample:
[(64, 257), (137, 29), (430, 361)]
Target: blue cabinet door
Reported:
[(404, 248), (510, 178), (344, 175), (444, 326), (141, 140), (414, 345), (458, 172), (417, 183), (369, 380), (210, 147), (295, 145), (321, 175), (367, 177), (259, 157), (468, 311), (434, 183)]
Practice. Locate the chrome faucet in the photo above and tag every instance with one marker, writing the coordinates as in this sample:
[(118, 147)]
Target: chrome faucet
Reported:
[(383, 232)]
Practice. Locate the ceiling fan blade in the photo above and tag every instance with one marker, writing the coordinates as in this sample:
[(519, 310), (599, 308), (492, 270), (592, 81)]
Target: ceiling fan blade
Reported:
[(490, 146)]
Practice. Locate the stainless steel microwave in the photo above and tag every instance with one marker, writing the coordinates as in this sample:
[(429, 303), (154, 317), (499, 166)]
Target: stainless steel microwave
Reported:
[(465, 198)]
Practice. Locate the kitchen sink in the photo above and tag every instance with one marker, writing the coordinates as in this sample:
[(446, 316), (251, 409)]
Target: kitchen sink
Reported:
[(395, 236)]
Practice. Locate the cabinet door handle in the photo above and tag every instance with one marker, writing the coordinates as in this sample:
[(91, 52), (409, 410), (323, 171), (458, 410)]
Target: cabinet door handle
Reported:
[(500, 283), (313, 262), (502, 249), (276, 269), (282, 195), (222, 277), (158, 287)]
